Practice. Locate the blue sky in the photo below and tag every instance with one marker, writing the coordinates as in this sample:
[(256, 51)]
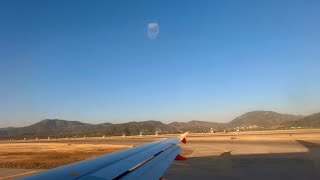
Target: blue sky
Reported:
[(93, 61)]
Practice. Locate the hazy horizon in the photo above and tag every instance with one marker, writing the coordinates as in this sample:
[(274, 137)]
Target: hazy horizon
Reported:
[(27, 123), (120, 61)]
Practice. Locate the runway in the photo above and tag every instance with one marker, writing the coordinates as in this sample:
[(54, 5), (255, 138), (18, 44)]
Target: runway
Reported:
[(221, 156)]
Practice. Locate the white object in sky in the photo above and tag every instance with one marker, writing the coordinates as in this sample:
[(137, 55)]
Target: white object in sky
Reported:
[(153, 30)]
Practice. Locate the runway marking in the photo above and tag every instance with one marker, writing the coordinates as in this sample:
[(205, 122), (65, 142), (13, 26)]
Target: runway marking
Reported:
[(30, 172)]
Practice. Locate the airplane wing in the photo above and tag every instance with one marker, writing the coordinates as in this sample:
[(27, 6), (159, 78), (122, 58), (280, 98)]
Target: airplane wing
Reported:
[(148, 161)]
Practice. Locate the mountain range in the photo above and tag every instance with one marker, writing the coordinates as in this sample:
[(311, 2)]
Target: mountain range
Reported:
[(255, 120)]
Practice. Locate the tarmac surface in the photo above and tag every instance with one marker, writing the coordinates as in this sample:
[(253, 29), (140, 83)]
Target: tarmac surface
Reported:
[(292, 160), (246, 155)]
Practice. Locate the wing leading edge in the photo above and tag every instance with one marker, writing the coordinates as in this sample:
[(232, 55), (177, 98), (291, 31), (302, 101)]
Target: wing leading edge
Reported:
[(148, 161)]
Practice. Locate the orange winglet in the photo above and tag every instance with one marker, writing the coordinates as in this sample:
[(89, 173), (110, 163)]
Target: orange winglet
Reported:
[(180, 158), (183, 137)]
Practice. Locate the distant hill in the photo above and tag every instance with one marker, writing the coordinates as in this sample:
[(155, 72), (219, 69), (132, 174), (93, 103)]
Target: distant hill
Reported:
[(261, 119), (63, 128), (147, 127), (43, 128), (312, 121), (6, 128), (251, 120), (55, 125), (197, 126)]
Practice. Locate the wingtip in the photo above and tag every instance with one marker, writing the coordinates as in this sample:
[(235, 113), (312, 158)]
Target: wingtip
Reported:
[(180, 158), (183, 137)]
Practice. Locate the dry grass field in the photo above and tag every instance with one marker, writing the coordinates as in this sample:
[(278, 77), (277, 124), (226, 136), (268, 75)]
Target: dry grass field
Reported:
[(49, 155), (45, 154), (293, 154)]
